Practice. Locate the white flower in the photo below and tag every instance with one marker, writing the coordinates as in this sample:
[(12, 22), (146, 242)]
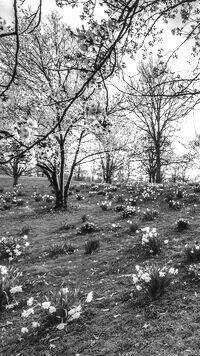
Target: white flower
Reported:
[(138, 287), (161, 274), (146, 277), (16, 289), (27, 312), (173, 270), (30, 301), (35, 324), (3, 270), (46, 305), (75, 312), (89, 297), (166, 242), (65, 290), (24, 330), (52, 309), (135, 279), (26, 244), (61, 326)]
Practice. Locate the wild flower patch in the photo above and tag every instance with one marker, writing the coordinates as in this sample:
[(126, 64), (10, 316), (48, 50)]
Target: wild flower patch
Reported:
[(12, 247), (150, 240), (59, 309), (119, 198), (153, 280)]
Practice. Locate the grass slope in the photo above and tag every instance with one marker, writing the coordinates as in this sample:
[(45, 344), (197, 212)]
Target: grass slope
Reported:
[(118, 321)]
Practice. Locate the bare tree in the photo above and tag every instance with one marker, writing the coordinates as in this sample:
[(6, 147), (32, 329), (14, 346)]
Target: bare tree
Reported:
[(155, 111)]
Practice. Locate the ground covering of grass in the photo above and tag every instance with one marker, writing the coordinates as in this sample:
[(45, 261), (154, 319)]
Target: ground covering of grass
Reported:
[(119, 320)]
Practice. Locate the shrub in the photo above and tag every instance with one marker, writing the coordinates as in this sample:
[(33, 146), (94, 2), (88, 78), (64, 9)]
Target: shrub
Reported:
[(151, 241), (91, 246), (149, 214), (182, 224), (192, 253), (87, 228), (60, 249), (153, 280), (128, 211)]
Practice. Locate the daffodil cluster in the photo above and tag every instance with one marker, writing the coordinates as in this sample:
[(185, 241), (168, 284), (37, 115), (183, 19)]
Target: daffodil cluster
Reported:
[(152, 279), (57, 311)]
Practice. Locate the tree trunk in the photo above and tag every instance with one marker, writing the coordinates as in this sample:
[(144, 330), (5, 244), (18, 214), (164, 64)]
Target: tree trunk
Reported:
[(158, 165), (15, 180)]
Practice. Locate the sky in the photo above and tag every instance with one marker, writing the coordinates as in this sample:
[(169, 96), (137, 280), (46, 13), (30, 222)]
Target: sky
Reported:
[(71, 17)]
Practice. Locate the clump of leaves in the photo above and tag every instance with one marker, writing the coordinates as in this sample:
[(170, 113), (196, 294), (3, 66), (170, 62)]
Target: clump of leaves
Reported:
[(88, 228), (182, 224), (85, 217), (133, 226), (66, 226), (153, 280), (25, 230), (60, 249), (150, 214), (91, 246), (192, 253)]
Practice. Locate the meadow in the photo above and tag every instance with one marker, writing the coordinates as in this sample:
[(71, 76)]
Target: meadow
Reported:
[(116, 273)]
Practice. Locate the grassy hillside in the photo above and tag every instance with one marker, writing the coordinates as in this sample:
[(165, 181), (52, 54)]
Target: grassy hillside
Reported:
[(120, 319)]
